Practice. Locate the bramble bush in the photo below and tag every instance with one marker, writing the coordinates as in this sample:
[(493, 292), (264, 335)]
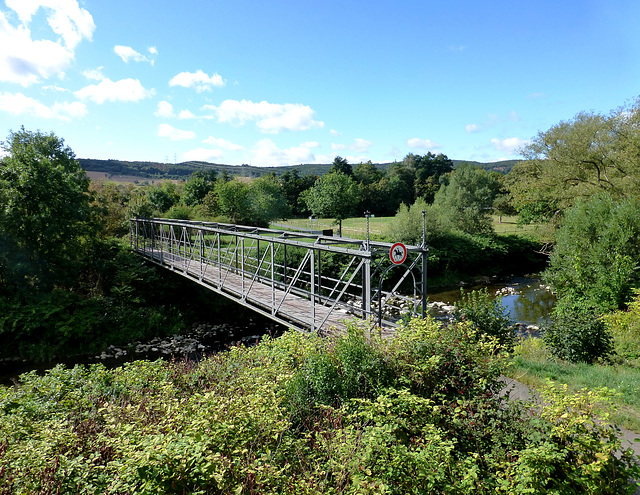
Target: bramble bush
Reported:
[(419, 413)]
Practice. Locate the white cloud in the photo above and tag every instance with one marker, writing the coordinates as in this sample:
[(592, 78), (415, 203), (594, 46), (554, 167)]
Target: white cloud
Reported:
[(509, 145), (126, 53), (94, 74), (198, 80), (153, 50), (165, 110), (186, 115), (269, 117), (202, 155), (310, 144), (422, 144), (470, 128), (267, 154), (360, 145), (19, 104), (334, 132), (108, 90), (24, 60), (168, 131), (222, 143)]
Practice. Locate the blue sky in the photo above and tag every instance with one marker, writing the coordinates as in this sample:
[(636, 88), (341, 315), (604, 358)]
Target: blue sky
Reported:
[(288, 82)]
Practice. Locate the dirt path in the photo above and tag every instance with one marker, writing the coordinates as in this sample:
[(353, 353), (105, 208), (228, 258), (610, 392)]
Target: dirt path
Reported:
[(519, 391)]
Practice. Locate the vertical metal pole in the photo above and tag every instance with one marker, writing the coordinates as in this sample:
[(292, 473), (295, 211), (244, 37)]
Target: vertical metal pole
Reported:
[(242, 263), (366, 288), (219, 260), (425, 253), (284, 275), (201, 254), (273, 280), (313, 290)]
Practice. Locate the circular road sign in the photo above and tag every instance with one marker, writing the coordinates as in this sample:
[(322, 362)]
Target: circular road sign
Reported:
[(398, 253)]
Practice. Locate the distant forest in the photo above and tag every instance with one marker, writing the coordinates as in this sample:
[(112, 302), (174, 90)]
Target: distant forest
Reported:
[(155, 170)]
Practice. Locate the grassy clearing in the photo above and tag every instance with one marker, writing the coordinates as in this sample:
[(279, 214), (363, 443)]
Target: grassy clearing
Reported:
[(533, 365), (357, 227)]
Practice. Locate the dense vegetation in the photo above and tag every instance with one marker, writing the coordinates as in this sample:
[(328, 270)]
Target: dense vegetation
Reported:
[(417, 414), (420, 413)]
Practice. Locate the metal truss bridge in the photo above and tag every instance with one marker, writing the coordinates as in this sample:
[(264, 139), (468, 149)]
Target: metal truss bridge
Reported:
[(308, 281)]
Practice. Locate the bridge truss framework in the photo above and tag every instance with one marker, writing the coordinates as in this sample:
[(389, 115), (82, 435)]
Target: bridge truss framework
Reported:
[(308, 281)]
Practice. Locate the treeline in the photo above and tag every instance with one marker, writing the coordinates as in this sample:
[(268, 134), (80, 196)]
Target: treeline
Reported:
[(159, 171)]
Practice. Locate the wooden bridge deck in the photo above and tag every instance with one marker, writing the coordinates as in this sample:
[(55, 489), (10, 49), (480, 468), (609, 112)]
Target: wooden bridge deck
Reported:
[(272, 301)]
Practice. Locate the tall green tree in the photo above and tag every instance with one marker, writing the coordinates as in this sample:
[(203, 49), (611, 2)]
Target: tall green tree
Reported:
[(197, 187), (334, 195), (44, 200), (597, 253), (577, 158), (468, 198), (341, 165)]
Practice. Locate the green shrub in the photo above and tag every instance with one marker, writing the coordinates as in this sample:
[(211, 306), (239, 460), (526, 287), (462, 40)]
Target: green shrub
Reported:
[(487, 315), (426, 417), (577, 333)]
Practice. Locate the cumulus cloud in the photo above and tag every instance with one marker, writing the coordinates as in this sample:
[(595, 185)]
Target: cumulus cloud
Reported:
[(186, 115), (19, 104), (25, 60), (94, 74), (222, 143), (165, 110), (269, 117), (126, 53), (200, 81), (422, 144), (267, 154), (202, 155), (509, 145), (168, 131), (359, 145), (108, 90)]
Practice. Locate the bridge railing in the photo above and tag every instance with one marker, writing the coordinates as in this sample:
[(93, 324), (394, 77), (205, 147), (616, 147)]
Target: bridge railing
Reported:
[(304, 280)]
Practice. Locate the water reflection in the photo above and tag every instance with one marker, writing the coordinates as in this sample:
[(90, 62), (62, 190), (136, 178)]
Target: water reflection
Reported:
[(531, 303)]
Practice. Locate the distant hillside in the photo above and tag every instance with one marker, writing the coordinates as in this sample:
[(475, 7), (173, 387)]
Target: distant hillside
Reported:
[(154, 170)]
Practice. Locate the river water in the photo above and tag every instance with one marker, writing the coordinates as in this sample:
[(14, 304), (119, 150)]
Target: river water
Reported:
[(526, 299)]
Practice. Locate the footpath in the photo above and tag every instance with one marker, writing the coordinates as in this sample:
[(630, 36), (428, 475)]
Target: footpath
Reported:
[(519, 391)]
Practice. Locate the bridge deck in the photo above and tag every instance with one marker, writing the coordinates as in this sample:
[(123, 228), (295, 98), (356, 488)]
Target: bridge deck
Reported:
[(285, 307)]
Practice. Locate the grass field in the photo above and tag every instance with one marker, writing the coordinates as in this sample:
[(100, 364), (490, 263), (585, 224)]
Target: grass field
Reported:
[(357, 227)]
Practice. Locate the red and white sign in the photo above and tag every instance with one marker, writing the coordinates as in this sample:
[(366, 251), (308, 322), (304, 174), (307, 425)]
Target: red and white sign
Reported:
[(398, 253)]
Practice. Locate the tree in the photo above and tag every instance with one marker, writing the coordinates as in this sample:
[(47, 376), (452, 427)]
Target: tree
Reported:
[(44, 200), (268, 201), (233, 199), (252, 203), (429, 169), (164, 196), (197, 187), (468, 198), (293, 186), (578, 158), (597, 252), (334, 195), (341, 165)]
